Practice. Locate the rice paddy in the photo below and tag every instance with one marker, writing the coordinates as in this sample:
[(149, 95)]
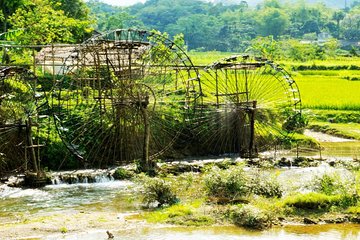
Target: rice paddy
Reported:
[(325, 89)]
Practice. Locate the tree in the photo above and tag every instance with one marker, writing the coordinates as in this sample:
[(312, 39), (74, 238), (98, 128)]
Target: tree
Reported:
[(7, 8), (351, 24), (200, 31), (272, 4), (272, 21), (72, 8), (117, 20), (42, 24), (297, 51), (267, 47), (338, 16)]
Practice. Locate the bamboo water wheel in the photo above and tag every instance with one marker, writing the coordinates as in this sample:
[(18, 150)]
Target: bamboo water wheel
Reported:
[(23, 115), (248, 104), (124, 95)]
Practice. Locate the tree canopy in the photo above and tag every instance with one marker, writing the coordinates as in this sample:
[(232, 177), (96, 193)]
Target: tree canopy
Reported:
[(231, 25), (46, 21)]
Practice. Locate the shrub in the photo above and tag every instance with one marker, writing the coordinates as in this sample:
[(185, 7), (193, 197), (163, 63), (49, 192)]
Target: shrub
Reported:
[(122, 173), (266, 185), (230, 183), (251, 217), (332, 184), (354, 210), (157, 191)]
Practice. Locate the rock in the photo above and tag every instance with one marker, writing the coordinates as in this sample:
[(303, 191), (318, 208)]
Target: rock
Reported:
[(15, 181), (355, 219), (310, 221), (337, 220)]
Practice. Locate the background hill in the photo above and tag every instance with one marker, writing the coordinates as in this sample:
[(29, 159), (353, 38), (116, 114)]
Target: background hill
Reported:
[(330, 3)]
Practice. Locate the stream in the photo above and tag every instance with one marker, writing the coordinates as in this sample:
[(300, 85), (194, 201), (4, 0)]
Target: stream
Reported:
[(88, 210)]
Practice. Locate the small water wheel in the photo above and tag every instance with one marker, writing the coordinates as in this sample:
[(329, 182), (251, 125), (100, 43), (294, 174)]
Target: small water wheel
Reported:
[(23, 109), (124, 95), (248, 104)]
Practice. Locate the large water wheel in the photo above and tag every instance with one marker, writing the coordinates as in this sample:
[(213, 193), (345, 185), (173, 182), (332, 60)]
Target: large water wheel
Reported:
[(124, 95), (23, 109), (248, 104)]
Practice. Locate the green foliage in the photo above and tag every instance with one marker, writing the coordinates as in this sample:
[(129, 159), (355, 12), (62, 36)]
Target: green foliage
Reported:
[(250, 217), (272, 21), (43, 24), (265, 185), (320, 201), (332, 184), (158, 191), (63, 230), (266, 47), (296, 123), (354, 210), (122, 173), (186, 215), (231, 183), (230, 27)]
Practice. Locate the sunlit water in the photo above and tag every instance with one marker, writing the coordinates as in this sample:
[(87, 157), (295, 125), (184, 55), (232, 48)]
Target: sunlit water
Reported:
[(318, 232), (62, 196), (114, 195)]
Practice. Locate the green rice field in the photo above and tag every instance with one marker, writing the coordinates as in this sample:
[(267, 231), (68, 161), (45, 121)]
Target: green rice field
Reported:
[(320, 89)]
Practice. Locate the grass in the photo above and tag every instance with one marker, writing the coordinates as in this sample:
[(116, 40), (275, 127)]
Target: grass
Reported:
[(205, 58), (327, 197), (319, 201), (328, 92), (181, 214), (348, 130), (320, 89)]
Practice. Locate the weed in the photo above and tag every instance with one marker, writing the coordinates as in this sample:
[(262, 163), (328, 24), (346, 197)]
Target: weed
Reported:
[(122, 173), (63, 230), (251, 217), (265, 185), (159, 192), (229, 184)]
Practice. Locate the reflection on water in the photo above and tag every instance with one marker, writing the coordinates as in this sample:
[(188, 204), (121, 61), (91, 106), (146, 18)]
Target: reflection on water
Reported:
[(316, 232), (341, 149)]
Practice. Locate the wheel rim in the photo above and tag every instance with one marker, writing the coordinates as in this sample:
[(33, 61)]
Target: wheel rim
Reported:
[(110, 83), (23, 106), (247, 103)]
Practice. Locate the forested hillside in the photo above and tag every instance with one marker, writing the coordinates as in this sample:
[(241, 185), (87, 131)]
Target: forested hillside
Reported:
[(329, 3), (216, 26)]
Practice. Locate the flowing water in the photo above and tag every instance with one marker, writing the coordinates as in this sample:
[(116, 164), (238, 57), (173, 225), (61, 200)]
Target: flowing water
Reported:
[(328, 232), (117, 197), (335, 147)]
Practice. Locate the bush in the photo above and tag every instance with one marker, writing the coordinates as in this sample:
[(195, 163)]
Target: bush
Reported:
[(229, 184), (332, 184), (266, 185), (251, 217), (122, 173), (157, 191)]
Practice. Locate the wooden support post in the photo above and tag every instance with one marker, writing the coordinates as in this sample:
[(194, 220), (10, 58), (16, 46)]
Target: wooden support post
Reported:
[(146, 164), (30, 144), (252, 128)]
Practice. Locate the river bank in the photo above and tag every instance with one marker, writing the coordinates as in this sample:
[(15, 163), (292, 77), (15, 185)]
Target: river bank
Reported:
[(86, 209)]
